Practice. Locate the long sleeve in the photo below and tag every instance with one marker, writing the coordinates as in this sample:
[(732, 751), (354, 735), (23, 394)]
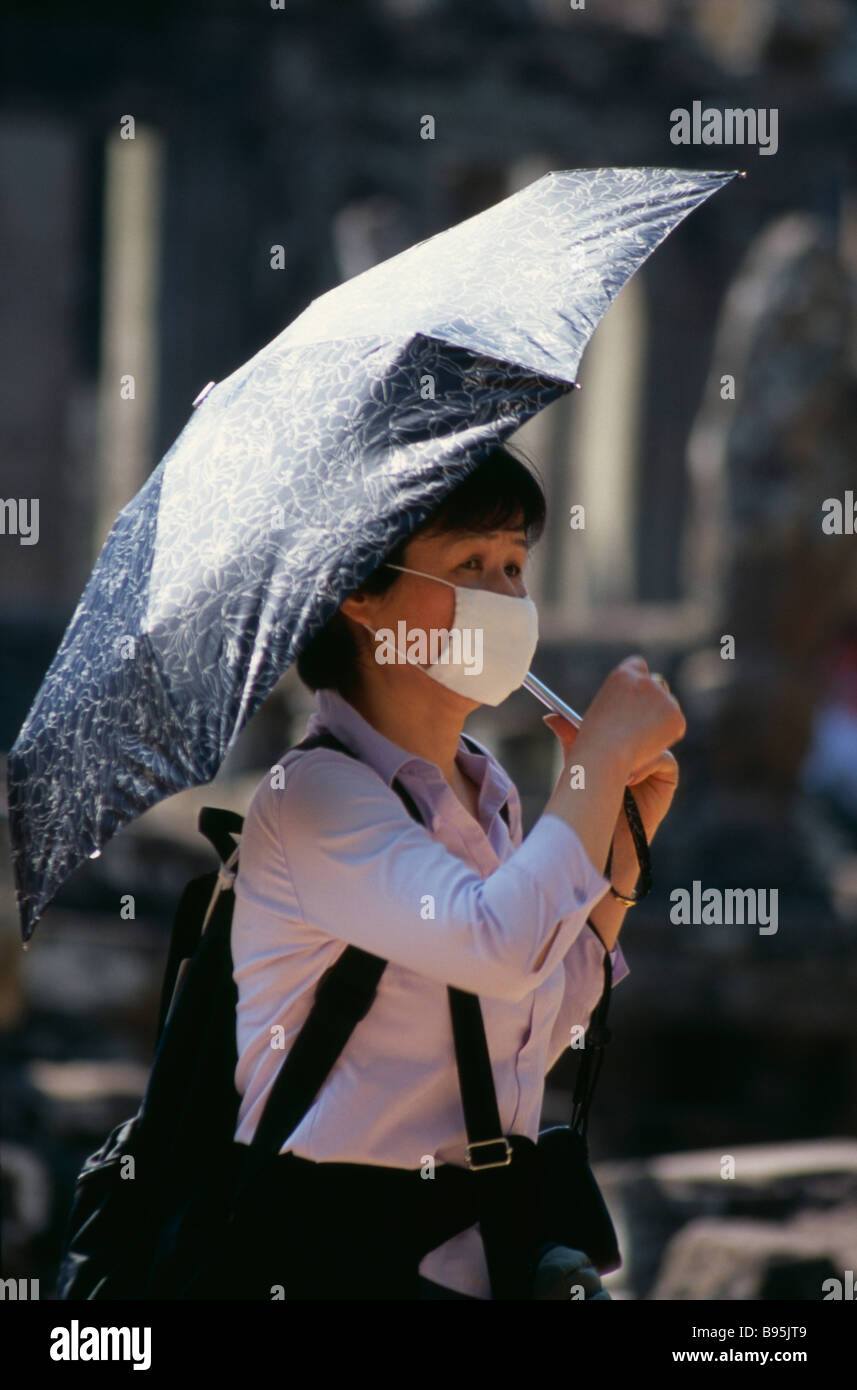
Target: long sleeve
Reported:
[(363, 871)]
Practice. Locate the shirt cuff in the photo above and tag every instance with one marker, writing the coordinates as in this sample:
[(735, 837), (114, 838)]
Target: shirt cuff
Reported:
[(617, 958), (620, 965)]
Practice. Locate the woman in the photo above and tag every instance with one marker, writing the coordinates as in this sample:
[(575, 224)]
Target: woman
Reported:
[(330, 856)]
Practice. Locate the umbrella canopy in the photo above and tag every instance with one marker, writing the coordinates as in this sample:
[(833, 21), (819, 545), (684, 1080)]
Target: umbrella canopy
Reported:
[(292, 480)]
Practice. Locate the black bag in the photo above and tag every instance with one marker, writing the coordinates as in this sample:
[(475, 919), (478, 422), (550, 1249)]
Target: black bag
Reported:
[(156, 1210), (150, 1164)]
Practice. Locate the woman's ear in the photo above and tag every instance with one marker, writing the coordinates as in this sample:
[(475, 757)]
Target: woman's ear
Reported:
[(354, 606)]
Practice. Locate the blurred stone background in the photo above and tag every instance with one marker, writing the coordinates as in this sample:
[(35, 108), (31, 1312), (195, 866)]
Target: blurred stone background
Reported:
[(300, 127)]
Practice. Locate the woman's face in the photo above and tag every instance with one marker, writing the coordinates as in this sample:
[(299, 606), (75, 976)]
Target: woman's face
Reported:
[(493, 561)]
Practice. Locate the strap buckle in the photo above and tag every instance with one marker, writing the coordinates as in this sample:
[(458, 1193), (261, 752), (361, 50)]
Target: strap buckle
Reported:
[(226, 877), (498, 1163), (223, 883)]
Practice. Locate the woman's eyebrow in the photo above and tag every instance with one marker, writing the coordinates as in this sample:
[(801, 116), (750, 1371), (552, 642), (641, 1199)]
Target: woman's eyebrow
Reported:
[(520, 539)]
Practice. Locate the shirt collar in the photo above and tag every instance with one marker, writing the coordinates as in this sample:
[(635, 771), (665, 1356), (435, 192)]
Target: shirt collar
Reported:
[(334, 712)]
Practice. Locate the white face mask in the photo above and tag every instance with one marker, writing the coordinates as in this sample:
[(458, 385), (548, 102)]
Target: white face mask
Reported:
[(499, 635)]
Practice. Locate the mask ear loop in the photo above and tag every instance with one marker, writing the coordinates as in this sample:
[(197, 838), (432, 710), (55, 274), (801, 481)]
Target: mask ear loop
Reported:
[(405, 570), (398, 653), (403, 658)]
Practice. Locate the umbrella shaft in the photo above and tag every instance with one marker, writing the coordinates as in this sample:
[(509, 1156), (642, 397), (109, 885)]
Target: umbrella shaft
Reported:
[(553, 702)]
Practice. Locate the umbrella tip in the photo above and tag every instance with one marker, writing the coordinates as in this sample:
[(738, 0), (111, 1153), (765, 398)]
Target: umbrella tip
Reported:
[(202, 395), (742, 173)]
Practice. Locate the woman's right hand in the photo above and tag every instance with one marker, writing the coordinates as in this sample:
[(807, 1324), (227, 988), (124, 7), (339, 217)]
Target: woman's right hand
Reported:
[(632, 718)]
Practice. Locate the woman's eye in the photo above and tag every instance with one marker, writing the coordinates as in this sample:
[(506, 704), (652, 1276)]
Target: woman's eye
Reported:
[(511, 565)]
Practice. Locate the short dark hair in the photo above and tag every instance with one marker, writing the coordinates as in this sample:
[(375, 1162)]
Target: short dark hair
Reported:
[(499, 490)]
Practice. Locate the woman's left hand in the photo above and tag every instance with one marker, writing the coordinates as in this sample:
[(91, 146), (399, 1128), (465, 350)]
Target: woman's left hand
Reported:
[(653, 788)]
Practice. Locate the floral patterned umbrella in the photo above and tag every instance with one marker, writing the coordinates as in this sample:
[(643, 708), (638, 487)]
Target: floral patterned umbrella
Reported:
[(292, 480)]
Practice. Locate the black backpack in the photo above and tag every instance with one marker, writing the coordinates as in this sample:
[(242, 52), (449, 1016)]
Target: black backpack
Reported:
[(145, 1203)]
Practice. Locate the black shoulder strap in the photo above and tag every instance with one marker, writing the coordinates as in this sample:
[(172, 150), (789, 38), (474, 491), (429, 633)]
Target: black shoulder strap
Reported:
[(482, 1117), (478, 1096)]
